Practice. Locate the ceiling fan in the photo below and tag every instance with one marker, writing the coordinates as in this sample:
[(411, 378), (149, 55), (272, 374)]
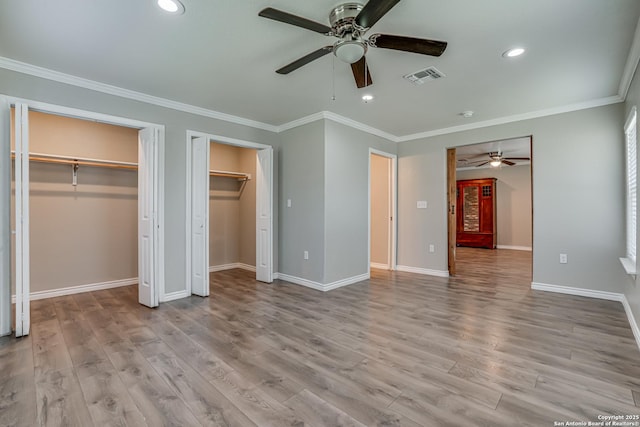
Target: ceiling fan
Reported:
[(349, 22), (496, 158)]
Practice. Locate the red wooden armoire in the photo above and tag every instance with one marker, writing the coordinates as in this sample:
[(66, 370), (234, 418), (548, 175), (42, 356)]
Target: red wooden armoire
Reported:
[(476, 213)]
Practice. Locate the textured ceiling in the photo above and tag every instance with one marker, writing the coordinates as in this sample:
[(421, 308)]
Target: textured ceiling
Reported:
[(221, 56)]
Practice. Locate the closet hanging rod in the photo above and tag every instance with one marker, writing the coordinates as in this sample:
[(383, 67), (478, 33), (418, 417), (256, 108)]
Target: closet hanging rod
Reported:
[(227, 174), (82, 161)]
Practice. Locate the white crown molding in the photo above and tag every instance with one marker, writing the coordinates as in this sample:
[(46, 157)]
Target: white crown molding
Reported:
[(631, 65), (516, 118), (33, 70)]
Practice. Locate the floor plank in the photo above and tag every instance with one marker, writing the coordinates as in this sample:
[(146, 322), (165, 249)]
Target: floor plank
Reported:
[(399, 349)]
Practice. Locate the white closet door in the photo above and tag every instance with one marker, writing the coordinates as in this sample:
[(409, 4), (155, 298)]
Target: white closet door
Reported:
[(264, 216), (21, 133), (147, 216), (199, 216), (5, 217)]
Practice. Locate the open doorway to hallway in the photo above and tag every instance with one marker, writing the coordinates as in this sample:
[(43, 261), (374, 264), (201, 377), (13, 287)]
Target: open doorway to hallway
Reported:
[(490, 211)]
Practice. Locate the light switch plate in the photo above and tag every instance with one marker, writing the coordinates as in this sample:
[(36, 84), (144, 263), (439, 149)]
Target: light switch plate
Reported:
[(422, 204)]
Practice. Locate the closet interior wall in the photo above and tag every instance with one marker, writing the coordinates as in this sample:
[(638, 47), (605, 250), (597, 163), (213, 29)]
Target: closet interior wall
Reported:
[(232, 208), (84, 234), (380, 208)]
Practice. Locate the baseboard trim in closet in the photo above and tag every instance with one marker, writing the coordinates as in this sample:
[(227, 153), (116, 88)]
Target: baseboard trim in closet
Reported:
[(175, 295), (79, 289), (418, 270), (590, 293), (231, 266), (379, 266)]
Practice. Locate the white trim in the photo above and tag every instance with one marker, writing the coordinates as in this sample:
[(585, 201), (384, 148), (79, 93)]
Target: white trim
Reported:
[(590, 293), (516, 118), (322, 287), (379, 266), (630, 66), (418, 270), (629, 266), (33, 70), (231, 266), (172, 296), (632, 320), (44, 73), (71, 290), (515, 248)]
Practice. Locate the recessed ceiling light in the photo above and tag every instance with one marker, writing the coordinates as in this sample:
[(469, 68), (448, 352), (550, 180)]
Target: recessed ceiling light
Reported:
[(512, 53), (171, 6), (467, 114), (367, 98)]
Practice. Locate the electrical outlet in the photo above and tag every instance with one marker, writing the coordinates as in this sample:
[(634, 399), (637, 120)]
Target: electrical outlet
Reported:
[(288, 203), (563, 259), (306, 254), (432, 248)]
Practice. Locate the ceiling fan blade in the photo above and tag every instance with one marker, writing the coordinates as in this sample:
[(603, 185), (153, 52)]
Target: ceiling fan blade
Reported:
[(507, 162), (482, 164), (305, 60), (408, 44), (373, 11), (517, 158), (287, 18), (361, 73)]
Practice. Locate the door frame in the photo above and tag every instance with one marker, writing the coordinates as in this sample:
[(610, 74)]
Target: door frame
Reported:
[(393, 207), (268, 188), (7, 102)]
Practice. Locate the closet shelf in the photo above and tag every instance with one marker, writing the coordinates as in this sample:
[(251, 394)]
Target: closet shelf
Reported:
[(240, 176), (78, 161)]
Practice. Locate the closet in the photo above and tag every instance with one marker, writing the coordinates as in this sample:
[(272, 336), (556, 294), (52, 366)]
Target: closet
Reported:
[(232, 207), (83, 205)]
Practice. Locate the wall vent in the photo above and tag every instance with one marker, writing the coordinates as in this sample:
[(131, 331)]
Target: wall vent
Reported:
[(419, 77)]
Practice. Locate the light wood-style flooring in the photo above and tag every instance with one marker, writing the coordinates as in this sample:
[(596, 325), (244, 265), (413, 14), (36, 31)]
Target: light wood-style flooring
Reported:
[(397, 350)]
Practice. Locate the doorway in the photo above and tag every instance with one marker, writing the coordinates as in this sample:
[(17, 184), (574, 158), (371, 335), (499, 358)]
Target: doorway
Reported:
[(382, 210), (148, 140), (199, 173), (507, 165)]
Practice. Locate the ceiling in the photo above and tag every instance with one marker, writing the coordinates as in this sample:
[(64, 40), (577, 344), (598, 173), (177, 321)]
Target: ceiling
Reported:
[(220, 55), (517, 147)]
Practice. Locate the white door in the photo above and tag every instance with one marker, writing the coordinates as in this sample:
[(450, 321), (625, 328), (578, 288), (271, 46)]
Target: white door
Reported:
[(147, 217), (199, 215), (5, 217), (21, 132), (264, 216)]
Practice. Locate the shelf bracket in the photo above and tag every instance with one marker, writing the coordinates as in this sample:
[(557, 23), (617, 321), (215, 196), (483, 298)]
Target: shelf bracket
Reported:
[(74, 174)]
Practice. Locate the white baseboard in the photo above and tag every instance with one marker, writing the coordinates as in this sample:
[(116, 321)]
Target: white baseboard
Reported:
[(70, 290), (590, 293), (515, 248), (320, 286), (231, 266), (427, 271), (175, 295), (380, 266)]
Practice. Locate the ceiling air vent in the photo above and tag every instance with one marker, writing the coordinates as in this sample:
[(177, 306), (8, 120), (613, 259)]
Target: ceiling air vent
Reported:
[(419, 77)]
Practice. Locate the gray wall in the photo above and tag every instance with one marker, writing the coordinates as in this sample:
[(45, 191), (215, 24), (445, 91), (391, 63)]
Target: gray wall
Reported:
[(513, 202), (632, 286), (232, 207), (578, 196), (347, 200), (176, 124), (301, 176)]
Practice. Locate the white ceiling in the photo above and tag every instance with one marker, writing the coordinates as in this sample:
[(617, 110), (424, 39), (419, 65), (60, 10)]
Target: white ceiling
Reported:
[(468, 155), (220, 55)]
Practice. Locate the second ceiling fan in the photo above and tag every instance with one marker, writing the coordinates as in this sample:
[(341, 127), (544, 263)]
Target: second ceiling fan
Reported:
[(349, 22)]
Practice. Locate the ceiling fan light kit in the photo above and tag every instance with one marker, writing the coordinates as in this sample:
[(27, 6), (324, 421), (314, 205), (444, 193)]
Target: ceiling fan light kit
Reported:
[(349, 22)]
